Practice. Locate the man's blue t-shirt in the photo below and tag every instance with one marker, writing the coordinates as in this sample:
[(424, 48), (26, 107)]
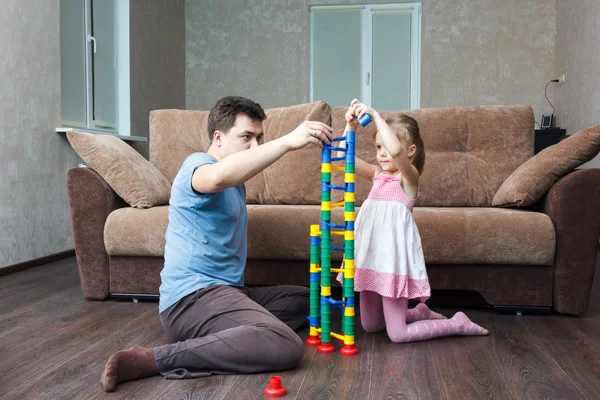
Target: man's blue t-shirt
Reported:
[(206, 237)]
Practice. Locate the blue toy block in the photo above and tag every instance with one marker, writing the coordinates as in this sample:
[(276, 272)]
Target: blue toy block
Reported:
[(365, 120)]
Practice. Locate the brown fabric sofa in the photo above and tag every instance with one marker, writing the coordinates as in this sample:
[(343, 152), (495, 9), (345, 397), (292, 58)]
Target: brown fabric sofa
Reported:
[(537, 256)]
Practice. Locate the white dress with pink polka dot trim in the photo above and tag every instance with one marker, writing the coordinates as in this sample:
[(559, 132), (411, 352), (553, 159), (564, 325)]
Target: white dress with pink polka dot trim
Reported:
[(388, 253)]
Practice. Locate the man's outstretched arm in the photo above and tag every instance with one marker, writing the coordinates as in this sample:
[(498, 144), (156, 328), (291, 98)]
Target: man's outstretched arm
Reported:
[(238, 168)]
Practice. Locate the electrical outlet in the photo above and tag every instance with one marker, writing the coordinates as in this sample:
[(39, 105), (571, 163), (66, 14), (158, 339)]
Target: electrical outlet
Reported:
[(561, 79)]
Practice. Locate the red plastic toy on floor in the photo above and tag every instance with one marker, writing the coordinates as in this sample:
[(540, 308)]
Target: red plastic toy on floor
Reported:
[(275, 389)]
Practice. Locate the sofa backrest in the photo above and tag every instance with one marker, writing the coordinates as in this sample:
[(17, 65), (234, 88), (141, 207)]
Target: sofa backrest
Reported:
[(295, 179), (470, 151)]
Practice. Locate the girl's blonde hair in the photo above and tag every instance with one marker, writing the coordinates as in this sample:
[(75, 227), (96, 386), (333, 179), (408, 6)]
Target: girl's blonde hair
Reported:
[(407, 128)]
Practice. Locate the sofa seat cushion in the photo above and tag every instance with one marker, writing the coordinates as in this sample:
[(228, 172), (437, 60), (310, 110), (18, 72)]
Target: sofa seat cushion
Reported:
[(474, 235), (449, 235), (133, 232)]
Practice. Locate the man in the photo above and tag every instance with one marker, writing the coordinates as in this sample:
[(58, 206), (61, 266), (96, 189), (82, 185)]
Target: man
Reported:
[(218, 325)]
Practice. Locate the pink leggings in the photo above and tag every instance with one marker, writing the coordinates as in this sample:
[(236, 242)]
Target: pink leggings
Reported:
[(379, 313)]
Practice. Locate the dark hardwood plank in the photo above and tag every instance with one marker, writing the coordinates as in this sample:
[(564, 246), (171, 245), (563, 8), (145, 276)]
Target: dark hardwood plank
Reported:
[(79, 375), (209, 388), (54, 344), (38, 312), (139, 389), (528, 370), (252, 386), (403, 370), (37, 287), (334, 376), (157, 387), (76, 331), (589, 324), (65, 322), (465, 369), (576, 354)]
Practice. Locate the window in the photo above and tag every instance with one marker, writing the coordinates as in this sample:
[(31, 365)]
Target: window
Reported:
[(94, 37), (370, 52)]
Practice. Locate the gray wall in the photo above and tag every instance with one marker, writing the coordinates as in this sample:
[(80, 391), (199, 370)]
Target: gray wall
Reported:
[(34, 159), (157, 61), (578, 56), (473, 51), (478, 52)]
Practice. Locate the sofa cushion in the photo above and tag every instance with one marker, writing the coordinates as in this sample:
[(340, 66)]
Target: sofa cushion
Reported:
[(532, 180), (485, 236), (469, 151), (296, 177), (175, 134), (449, 235), (132, 232), (130, 175)]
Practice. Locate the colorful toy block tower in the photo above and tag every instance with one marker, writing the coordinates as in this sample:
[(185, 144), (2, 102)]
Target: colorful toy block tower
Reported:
[(321, 238)]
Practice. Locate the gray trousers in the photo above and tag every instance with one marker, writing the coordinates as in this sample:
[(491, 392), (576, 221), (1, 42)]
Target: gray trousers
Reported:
[(224, 329)]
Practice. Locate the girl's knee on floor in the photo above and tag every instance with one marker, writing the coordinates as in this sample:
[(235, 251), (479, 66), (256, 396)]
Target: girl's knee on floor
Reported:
[(398, 335), (370, 326)]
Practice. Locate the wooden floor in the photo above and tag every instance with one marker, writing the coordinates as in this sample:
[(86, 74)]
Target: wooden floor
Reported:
[(54, 344)]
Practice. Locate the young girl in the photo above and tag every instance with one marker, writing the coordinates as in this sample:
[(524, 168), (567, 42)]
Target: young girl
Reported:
[(389, 262)]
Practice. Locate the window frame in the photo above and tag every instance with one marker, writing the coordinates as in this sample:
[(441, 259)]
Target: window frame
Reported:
[(123, 107), (367, 48)]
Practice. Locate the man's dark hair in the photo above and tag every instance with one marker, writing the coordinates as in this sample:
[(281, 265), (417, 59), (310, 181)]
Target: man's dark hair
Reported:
[(223, 114)]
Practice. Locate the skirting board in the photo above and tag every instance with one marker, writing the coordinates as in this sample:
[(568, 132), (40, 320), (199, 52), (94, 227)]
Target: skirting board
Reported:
[(11, 269)]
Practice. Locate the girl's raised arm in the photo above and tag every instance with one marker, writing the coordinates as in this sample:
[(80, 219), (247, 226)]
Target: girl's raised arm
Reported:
[(396, 148), (362, 168)]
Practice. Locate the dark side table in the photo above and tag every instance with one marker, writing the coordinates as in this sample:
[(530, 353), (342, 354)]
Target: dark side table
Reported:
[(547, 137)]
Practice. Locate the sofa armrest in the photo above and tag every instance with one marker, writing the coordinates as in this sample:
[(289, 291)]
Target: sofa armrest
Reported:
[(572, 204), (91, 200)]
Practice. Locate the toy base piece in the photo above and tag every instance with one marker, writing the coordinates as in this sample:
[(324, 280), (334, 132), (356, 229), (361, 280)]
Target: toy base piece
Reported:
[(275, 389), (349, 351), (326, 348), (364, 120), (313, 341)]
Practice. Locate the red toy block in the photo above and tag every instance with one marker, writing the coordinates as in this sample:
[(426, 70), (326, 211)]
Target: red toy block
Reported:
[(275, 389)]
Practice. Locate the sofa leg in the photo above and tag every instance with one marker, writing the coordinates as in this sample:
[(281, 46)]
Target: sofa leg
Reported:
[(135, 297), (520, 310)]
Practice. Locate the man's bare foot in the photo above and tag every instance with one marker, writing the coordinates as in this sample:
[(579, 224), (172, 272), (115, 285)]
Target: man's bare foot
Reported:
[(471, 328), (125, 365)]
